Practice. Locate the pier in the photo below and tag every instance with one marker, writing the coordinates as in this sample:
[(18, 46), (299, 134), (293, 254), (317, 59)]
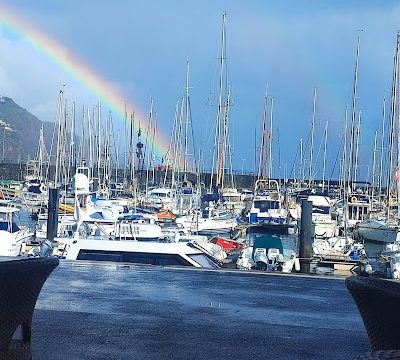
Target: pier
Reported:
[(113, 311)]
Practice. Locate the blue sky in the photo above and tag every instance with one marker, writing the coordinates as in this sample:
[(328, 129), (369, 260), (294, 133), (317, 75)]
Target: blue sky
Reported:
[(289, 46)]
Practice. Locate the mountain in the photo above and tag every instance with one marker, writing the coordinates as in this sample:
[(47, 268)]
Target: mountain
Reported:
[(19, 132)]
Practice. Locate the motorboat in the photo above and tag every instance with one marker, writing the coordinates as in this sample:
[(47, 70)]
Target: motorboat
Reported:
[(378, 231), (66, 225), (141, 252), (267, 206), (338, 247), (108, 220), (209, 221), (324, 225), (159, 198), (267, 254), (126, 242), (233, 200), (14, 237)]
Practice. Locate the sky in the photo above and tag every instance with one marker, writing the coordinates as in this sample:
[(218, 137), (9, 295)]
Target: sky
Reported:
[(289, 47)]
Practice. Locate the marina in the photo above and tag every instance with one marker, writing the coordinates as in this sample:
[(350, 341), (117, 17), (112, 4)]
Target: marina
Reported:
[(189, 181)]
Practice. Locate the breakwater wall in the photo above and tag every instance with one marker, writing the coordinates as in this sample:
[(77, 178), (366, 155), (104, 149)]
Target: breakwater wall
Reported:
[(14, 171)]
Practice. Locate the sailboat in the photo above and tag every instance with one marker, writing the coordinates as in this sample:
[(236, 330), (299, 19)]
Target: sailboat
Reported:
[(267, 212), (213, 218), (343, 246), (34, 192)]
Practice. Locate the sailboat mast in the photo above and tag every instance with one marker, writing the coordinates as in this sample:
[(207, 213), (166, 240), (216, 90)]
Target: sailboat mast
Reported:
[(263, 146), (302, 159), (60, 119), (98, 140), (270, 140), (382, 148), (374, 166), (131, 150), (219, 120), (358, 130), (73, 146), (353, 134), (185, 163), (393, 108), (324, 163), (345, 180), (147, 146), (397, 109), (310, 166)]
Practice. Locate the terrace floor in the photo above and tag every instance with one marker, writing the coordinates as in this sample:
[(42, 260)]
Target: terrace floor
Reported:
[(107, 311)]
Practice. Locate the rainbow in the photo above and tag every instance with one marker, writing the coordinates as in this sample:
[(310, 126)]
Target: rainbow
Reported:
[(109, 95)]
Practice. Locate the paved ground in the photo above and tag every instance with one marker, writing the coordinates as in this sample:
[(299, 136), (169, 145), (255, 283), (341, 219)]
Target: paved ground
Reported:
[(103, 311)]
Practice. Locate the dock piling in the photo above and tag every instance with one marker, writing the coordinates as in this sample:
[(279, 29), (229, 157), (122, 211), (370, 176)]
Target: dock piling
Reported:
[(306, 236), (52, 217)]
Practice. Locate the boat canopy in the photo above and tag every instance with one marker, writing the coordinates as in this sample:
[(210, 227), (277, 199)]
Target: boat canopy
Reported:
[(268, 242)]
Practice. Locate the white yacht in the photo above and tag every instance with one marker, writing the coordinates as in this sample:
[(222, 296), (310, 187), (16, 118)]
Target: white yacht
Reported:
[(359, 208), (210, 221), (338, 247), (66, 225), (141, 252), (125, 242), (325, 226), (233, 200), (267, 204), (108, 221), (377, 231), (159, 198), (13, 236)]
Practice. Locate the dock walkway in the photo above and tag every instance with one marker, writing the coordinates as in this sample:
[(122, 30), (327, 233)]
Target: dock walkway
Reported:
[(108, 311)]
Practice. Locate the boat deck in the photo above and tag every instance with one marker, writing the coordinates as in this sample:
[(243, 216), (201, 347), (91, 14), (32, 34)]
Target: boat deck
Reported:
[(108, 311)]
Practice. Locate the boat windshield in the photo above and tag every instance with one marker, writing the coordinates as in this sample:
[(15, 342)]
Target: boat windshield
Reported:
[(265, 205), (204, 261), (232, 198), (160, 194), (321, 210), (9, 226)]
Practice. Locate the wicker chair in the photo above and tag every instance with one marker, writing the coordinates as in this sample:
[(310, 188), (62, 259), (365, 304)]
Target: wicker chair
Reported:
[(378, 301), (20, 284)]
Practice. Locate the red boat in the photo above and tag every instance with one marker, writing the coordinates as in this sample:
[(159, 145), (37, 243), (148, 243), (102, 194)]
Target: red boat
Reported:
[(227, 244)]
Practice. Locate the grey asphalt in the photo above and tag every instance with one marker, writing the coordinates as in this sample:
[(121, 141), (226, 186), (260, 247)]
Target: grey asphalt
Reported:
[(107, 311)]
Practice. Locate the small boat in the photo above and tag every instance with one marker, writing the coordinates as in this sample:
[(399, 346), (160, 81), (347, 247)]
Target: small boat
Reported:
[(165, 216), (13, 236), (376, 231), (210, 221), (267, 254), (227, 244), (267, 207), (159, 198), (343, 247), (324, 225)]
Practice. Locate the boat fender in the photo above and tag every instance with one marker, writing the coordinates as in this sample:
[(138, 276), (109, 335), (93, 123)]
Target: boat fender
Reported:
[(395, 275), (353, 199), (43, 188), (297, 264), (368, 268)]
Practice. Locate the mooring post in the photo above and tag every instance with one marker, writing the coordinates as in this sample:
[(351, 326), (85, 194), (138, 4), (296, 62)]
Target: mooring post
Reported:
[(306, 236), (52, 217)]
